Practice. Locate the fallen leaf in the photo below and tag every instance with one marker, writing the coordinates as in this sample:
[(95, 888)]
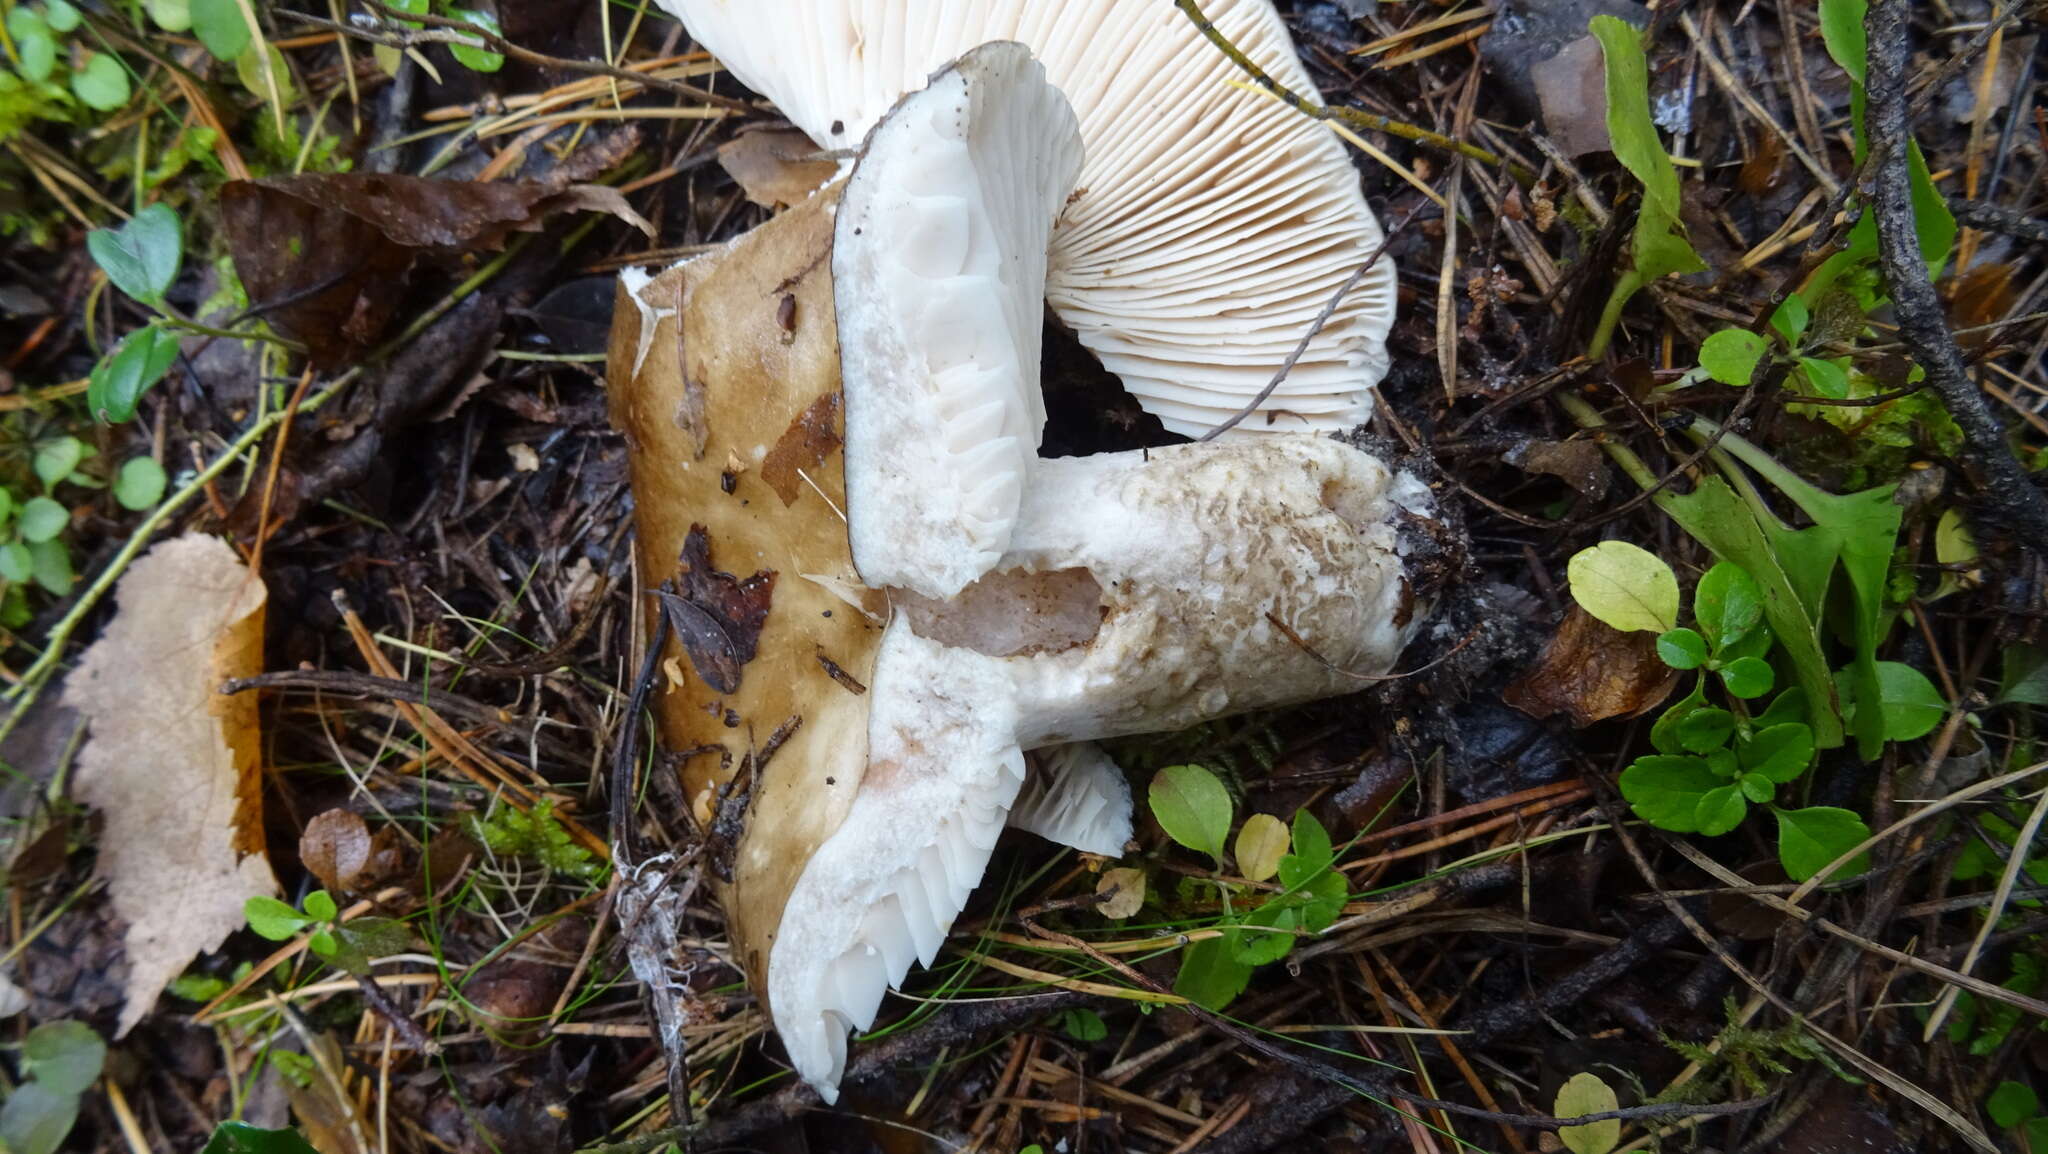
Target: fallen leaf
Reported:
[(774, 166), (716, 616), (1593, 672), (336, 847), (1126, 888), (1578, 463), (810, 438), (172, 764), (323, 254), (1572, 88)]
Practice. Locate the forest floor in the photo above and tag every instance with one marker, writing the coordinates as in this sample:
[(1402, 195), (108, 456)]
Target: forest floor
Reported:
[(1577, 844)]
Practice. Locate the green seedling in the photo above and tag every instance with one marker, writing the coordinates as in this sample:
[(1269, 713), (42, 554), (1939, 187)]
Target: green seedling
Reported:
[(350, 945), (59, 1062)]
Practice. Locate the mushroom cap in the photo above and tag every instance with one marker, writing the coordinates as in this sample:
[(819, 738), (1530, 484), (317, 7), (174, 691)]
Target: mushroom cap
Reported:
[(1211, 223)]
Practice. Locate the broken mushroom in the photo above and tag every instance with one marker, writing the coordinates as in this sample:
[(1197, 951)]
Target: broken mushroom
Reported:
[(1210, 225), (879, 624)]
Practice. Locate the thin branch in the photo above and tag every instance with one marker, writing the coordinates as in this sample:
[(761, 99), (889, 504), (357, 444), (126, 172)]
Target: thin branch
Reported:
[(2009, 492)]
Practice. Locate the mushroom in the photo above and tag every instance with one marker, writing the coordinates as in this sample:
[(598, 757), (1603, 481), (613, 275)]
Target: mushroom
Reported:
[(1210, 224), (879, 625)]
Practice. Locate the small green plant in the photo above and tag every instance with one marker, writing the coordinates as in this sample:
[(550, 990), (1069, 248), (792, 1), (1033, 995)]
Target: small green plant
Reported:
[(349, 945), (59, 1062), (538, 835), (43, 52), (1741, 1059), (1259, 924), (242, 1138), (1982, 1027), (141, 258), (1720, 753), (2015, 1106), (1587, 1093)]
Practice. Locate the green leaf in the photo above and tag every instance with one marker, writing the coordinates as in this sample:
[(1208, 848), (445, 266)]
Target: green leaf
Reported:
[(376, 937), (1585, 1093), (140, 483), (323, 943), (242, 1138), (2012, 1103), (16, 563), (1790, 319), (1666, 791), (1682, 649), (1756, 787), (1260, 842), (142, 256), (250, 69), (1664, 734), (33, 43), (220, 26), (1841, 28), (1193, 808), (1210, 974), (1326, 893), (1312, 842), (50, 565), (1728, 604), (64, 1056), (1084, 1025), (58, 458), (2025, 677), (1810, 838), (1730, 356), (1268, 935), (1629, 126), (477, 59), (1779, 752), (1720, 810), (171, 15), (2037, 1134), (124, 375), (1826, 378), (102, 83), (319, 905), (1722, 763), (1626, 586), (61, 15), (37, 1119), (1705, 730), (1909, 705), (1786, 708), (1748, 677), (273, 919), (42, 519)]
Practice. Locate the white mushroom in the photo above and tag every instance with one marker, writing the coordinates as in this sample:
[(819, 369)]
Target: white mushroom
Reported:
[(929, 601), (1210, 223)]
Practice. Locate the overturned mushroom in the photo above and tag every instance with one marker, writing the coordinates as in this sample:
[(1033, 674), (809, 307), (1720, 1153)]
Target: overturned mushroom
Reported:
[(1210, 223), (922, 598)]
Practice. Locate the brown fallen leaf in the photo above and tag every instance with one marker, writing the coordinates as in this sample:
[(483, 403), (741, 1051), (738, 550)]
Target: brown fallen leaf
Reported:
[(775, 166), (1578, 463), (811, 438), (1572, 88), (172, 764), (323, 254), (1593, 671), (336, 848), (717, 617)]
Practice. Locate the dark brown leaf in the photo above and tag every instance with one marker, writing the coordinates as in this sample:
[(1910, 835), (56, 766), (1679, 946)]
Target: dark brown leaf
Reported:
[(336, 848), (323, 255), (1593, 671), (810, 438), (1578, 463), (716, 616)]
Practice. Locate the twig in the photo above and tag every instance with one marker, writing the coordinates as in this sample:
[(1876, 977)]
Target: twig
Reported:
[(402, 1022), (2008, 490), (1995, 218)]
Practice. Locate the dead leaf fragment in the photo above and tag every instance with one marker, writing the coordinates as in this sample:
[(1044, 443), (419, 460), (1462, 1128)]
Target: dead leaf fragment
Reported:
[(172, 764), (716, 616), (1572, 88), (1593, 671), (324, 254), (1577, 463), (810, 438), (774, 166), (1124, 890)]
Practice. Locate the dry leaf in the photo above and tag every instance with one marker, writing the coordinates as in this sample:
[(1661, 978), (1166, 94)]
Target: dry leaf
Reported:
[(1577, 463), (1126, 888), (1593, 672), (717, 616), (775, 166), (336, 848), (172, 763)]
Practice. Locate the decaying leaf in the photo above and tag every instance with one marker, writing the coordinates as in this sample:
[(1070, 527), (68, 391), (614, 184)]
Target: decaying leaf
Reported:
[(1577, 463), (716, 616), (171, 763), (1593, 672), (1124, 891), (810, 438), (335, 847), (775, 167), (323, 253)]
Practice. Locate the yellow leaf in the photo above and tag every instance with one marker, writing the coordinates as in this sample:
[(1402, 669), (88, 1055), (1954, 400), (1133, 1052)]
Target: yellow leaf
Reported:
[(1626, 586), (1585, 1093), (1260, 842)]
